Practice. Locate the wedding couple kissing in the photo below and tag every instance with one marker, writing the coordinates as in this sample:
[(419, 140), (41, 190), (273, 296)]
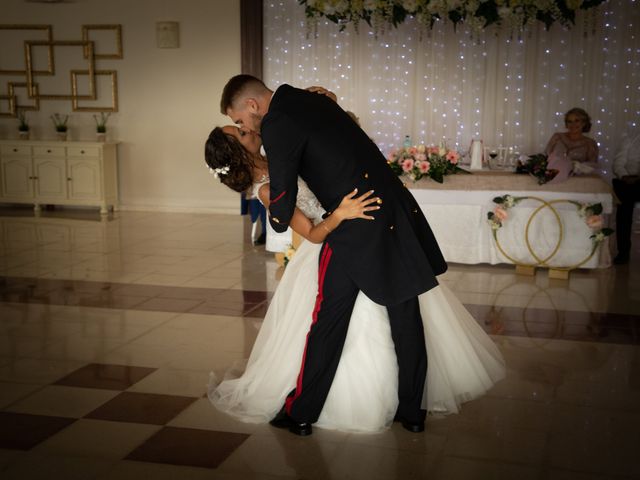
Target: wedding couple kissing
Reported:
[(359, 313)]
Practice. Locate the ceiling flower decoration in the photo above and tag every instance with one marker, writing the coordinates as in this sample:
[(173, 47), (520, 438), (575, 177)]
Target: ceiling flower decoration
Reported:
[(478, 14)]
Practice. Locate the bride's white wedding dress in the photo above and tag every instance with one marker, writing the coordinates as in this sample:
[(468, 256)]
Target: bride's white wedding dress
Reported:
[(463, 361)]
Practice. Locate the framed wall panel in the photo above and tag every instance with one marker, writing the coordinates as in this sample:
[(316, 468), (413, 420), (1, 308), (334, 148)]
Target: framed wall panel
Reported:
[(29, 46), (47, 32), (116, 51), (75, 74)]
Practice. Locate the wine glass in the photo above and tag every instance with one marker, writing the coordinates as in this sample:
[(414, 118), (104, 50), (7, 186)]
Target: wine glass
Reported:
[(493, 154)]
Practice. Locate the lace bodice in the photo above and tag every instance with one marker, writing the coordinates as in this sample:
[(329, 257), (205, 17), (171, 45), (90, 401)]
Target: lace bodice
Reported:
[(306, 201)]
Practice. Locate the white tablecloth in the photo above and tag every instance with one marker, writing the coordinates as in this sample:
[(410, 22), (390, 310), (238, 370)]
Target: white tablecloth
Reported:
[(457, 212)]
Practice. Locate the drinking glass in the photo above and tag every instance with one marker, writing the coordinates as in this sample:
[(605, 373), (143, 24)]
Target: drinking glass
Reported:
[(493, 154)]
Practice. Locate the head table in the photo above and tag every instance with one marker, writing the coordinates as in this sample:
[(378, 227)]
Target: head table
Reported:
[(457, 212)]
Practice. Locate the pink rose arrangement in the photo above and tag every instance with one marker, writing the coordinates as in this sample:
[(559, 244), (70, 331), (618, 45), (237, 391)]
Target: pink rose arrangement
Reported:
[(594, 221), (592, 214), (499, 213), (424, 161)]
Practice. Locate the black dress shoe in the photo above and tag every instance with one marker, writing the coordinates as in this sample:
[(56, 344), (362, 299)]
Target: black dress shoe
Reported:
[(413, 427), (283, 420)]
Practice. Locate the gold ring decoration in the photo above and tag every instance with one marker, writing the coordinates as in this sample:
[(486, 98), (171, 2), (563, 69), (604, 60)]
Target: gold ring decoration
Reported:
[(559, 324), (545, 204), (592, 213), (558, 327)]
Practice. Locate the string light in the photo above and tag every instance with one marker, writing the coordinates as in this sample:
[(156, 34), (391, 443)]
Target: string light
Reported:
[(457, 86)]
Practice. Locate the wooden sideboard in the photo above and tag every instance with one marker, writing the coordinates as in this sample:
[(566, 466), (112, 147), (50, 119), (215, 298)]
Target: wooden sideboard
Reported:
[(59, 173)]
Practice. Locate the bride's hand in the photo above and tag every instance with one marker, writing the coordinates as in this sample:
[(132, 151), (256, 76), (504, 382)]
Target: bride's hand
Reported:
[(324, 91), (356, 207)]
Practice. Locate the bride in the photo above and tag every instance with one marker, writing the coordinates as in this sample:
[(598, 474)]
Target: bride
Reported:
[(464, 363)]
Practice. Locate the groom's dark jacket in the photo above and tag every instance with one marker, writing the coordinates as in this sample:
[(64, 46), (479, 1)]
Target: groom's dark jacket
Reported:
[(392, 258)]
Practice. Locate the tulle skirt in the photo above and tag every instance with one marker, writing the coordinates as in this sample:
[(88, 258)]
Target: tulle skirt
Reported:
[(463, 361)]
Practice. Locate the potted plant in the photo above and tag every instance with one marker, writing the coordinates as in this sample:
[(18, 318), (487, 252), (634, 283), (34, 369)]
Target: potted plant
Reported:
[(23, 127), (101, 126), (60, 123)]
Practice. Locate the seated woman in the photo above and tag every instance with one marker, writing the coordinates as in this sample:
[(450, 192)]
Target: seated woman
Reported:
[(571, 152), (463, 360)]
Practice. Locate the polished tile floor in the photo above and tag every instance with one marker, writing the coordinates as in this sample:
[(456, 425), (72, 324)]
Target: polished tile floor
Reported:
[(109, 331)]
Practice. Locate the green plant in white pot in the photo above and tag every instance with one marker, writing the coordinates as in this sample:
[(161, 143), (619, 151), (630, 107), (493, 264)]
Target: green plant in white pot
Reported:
[(23, 126), (101, 125), (60, 124)]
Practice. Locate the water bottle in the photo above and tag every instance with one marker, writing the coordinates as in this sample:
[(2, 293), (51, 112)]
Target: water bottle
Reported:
[(407, 141), (476, 154)]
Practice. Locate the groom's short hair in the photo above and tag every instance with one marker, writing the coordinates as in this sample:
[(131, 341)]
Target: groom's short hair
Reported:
[(238, 86)]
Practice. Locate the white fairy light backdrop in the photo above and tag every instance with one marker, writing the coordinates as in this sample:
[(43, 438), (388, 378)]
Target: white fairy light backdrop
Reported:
[(454, 86)]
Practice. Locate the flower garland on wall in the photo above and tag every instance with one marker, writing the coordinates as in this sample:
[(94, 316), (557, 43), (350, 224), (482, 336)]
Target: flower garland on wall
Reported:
[(479, 14)]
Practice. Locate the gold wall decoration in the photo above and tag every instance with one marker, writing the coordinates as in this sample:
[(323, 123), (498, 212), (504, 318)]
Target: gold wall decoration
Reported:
[(117, 30), (91, 50), (62, 43), (114, 91), (48, 31), (35, 106), (12, 100), (10, 110)]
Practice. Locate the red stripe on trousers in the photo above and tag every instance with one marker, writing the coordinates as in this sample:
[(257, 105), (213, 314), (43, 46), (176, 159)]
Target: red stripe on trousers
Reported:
[(277, 198), (324, 263)]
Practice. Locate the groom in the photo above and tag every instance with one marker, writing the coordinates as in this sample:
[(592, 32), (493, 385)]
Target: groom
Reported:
[(392, 259)]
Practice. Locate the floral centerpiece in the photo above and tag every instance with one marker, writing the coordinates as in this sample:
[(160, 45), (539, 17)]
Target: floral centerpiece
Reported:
[(421, 161), (479, 14), (536, 166)]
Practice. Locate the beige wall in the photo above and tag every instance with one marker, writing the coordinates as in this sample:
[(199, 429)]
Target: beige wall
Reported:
[(168, 98)]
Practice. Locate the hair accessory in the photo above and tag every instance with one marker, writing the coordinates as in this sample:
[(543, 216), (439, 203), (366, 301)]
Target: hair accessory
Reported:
[(218, 172)]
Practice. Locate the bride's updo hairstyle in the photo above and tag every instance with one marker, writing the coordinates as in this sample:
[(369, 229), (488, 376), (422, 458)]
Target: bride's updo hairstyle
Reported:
[(228, 160)]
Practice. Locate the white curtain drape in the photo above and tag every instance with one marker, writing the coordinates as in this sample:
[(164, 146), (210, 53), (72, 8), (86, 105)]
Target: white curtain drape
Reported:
[(449, 85)]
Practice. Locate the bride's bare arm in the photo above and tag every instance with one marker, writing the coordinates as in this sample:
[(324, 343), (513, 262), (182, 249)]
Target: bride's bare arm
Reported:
[(350, 208)]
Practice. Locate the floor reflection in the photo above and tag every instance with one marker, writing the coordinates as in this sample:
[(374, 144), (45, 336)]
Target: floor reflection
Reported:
[(109, 330)]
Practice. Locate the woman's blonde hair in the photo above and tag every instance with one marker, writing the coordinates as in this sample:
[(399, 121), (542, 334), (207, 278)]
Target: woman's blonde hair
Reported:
[(581, 113)]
